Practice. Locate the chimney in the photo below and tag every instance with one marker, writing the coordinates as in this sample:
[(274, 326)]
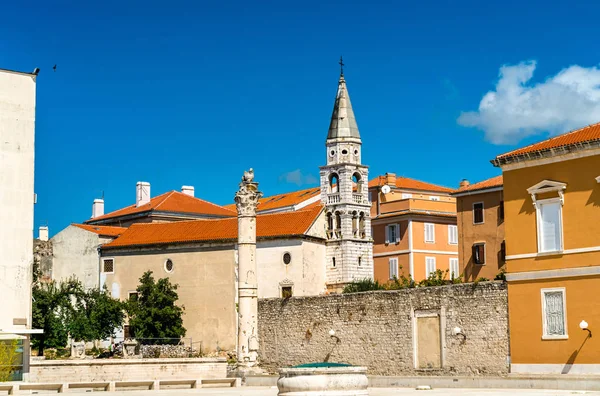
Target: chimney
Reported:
[(142, 193), (464, 183), (188, 190), (43, 233), (390, 179), (97, 208)]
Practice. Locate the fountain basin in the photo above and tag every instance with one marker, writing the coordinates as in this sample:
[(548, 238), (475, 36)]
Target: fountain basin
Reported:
[(323, 379)]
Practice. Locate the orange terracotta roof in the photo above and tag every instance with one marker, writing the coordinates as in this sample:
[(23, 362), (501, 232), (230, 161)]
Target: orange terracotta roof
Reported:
[(416, 212), (102, 230), (172, 201), (482, 185), (590, 133), (268, 226), (283, 200), (411, 184)]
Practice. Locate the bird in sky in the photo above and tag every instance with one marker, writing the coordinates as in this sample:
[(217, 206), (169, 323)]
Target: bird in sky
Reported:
[(54, 68)]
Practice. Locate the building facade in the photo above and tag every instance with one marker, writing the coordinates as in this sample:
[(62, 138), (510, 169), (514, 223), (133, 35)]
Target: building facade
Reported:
[(480, 222), (344, 193), (552, 227), (17, 137), (201, 257), (414, 228)]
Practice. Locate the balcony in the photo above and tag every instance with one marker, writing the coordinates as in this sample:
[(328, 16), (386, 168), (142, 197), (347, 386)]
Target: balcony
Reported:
[(333, 198), (357, 198), (417, 205)]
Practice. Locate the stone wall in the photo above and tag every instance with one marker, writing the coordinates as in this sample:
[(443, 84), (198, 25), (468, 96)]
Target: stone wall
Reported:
[(380, 330), (103, 370)]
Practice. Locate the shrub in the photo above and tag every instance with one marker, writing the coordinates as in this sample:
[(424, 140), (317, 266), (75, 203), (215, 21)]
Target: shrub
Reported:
[(363, 285), (9, 357)]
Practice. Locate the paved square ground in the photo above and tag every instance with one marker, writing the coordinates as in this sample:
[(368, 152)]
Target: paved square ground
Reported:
[(269, 391)]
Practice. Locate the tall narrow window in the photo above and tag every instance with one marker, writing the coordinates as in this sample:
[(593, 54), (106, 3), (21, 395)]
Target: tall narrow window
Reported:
[(393, 263), (501, 211), (453, 266), (392, 233), (333, 261), (479, 253), (478, 213), (429, 266), (452, 234), (503, 251), (549, 225), (429, 232), (553, 313)]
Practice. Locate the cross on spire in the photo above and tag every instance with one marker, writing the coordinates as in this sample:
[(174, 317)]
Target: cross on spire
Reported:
[(341, 62)]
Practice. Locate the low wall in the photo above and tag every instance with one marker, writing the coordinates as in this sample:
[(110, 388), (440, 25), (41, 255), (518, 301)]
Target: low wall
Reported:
[(381, 330), (102, 370)]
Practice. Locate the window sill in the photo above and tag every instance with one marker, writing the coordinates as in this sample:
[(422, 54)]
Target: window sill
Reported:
[(555, 337), (552, 253)]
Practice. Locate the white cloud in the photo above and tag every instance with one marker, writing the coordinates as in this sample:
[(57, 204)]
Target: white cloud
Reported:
[(298, 178), (516, 109)]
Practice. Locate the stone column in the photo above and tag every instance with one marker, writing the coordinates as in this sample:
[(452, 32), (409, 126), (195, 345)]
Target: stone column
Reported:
[(246, 200)]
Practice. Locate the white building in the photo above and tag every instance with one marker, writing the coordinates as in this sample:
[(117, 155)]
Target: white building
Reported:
[(17, 136)]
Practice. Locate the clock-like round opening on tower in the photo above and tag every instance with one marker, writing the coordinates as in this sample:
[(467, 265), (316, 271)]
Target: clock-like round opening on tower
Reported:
[(287, 258), (344, 151)]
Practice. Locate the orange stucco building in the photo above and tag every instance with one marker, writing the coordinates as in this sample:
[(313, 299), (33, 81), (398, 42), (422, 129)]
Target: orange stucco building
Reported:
[(480, 221), (413, 228), (552, 227)]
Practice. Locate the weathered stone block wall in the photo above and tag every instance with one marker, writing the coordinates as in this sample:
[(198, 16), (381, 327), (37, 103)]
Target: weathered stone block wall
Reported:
[(375, 329)]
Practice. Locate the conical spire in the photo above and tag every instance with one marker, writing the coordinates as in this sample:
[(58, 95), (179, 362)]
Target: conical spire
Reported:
[(343, 124)]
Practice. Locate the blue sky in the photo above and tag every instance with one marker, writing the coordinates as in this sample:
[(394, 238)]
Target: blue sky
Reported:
[(192, 93)]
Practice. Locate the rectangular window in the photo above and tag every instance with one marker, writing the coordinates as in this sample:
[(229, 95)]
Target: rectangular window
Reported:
[(453, 266), (133, 296), (549, 225), (501, 211), (373, 233), (554, 313), (452, 234), (392, 233), (108, 266), (429, 232), (478, 213), (333, 261), (286, 291), (434, 198), (393, 263), (429, 265), (503, 251), (406, 195), (479, 253), (370, 196)]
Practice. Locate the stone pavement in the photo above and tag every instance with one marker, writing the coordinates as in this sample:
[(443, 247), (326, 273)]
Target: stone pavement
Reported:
[(270, 391)]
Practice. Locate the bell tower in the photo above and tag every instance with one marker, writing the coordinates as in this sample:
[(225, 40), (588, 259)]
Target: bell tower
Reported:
[(345, 194)]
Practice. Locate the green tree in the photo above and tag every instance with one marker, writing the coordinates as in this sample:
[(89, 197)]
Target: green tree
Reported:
[(50, 306), (362, 285), (95, 315), (153, 313)]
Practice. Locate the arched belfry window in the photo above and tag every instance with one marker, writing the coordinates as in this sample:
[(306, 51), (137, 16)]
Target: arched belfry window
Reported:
[(361, 225), (357, 182), (334, 182), (355, 223), (338, 223)]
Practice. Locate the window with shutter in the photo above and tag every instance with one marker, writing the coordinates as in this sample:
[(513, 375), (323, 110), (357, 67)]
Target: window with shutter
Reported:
[(553, 303), (452, 234), (479, 253), (478, 213), (453, 266), (429, 232), (429, 266), (549, 226), (393, 263), (387, 234)]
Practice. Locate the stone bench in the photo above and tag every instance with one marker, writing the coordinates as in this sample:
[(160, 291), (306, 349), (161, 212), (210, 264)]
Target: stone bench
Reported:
[(150, 385), (59, 388), (193, 384), (89, 385), (232, 382)]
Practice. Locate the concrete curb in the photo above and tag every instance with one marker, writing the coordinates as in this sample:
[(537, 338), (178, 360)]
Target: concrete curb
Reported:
[(564, 382)]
